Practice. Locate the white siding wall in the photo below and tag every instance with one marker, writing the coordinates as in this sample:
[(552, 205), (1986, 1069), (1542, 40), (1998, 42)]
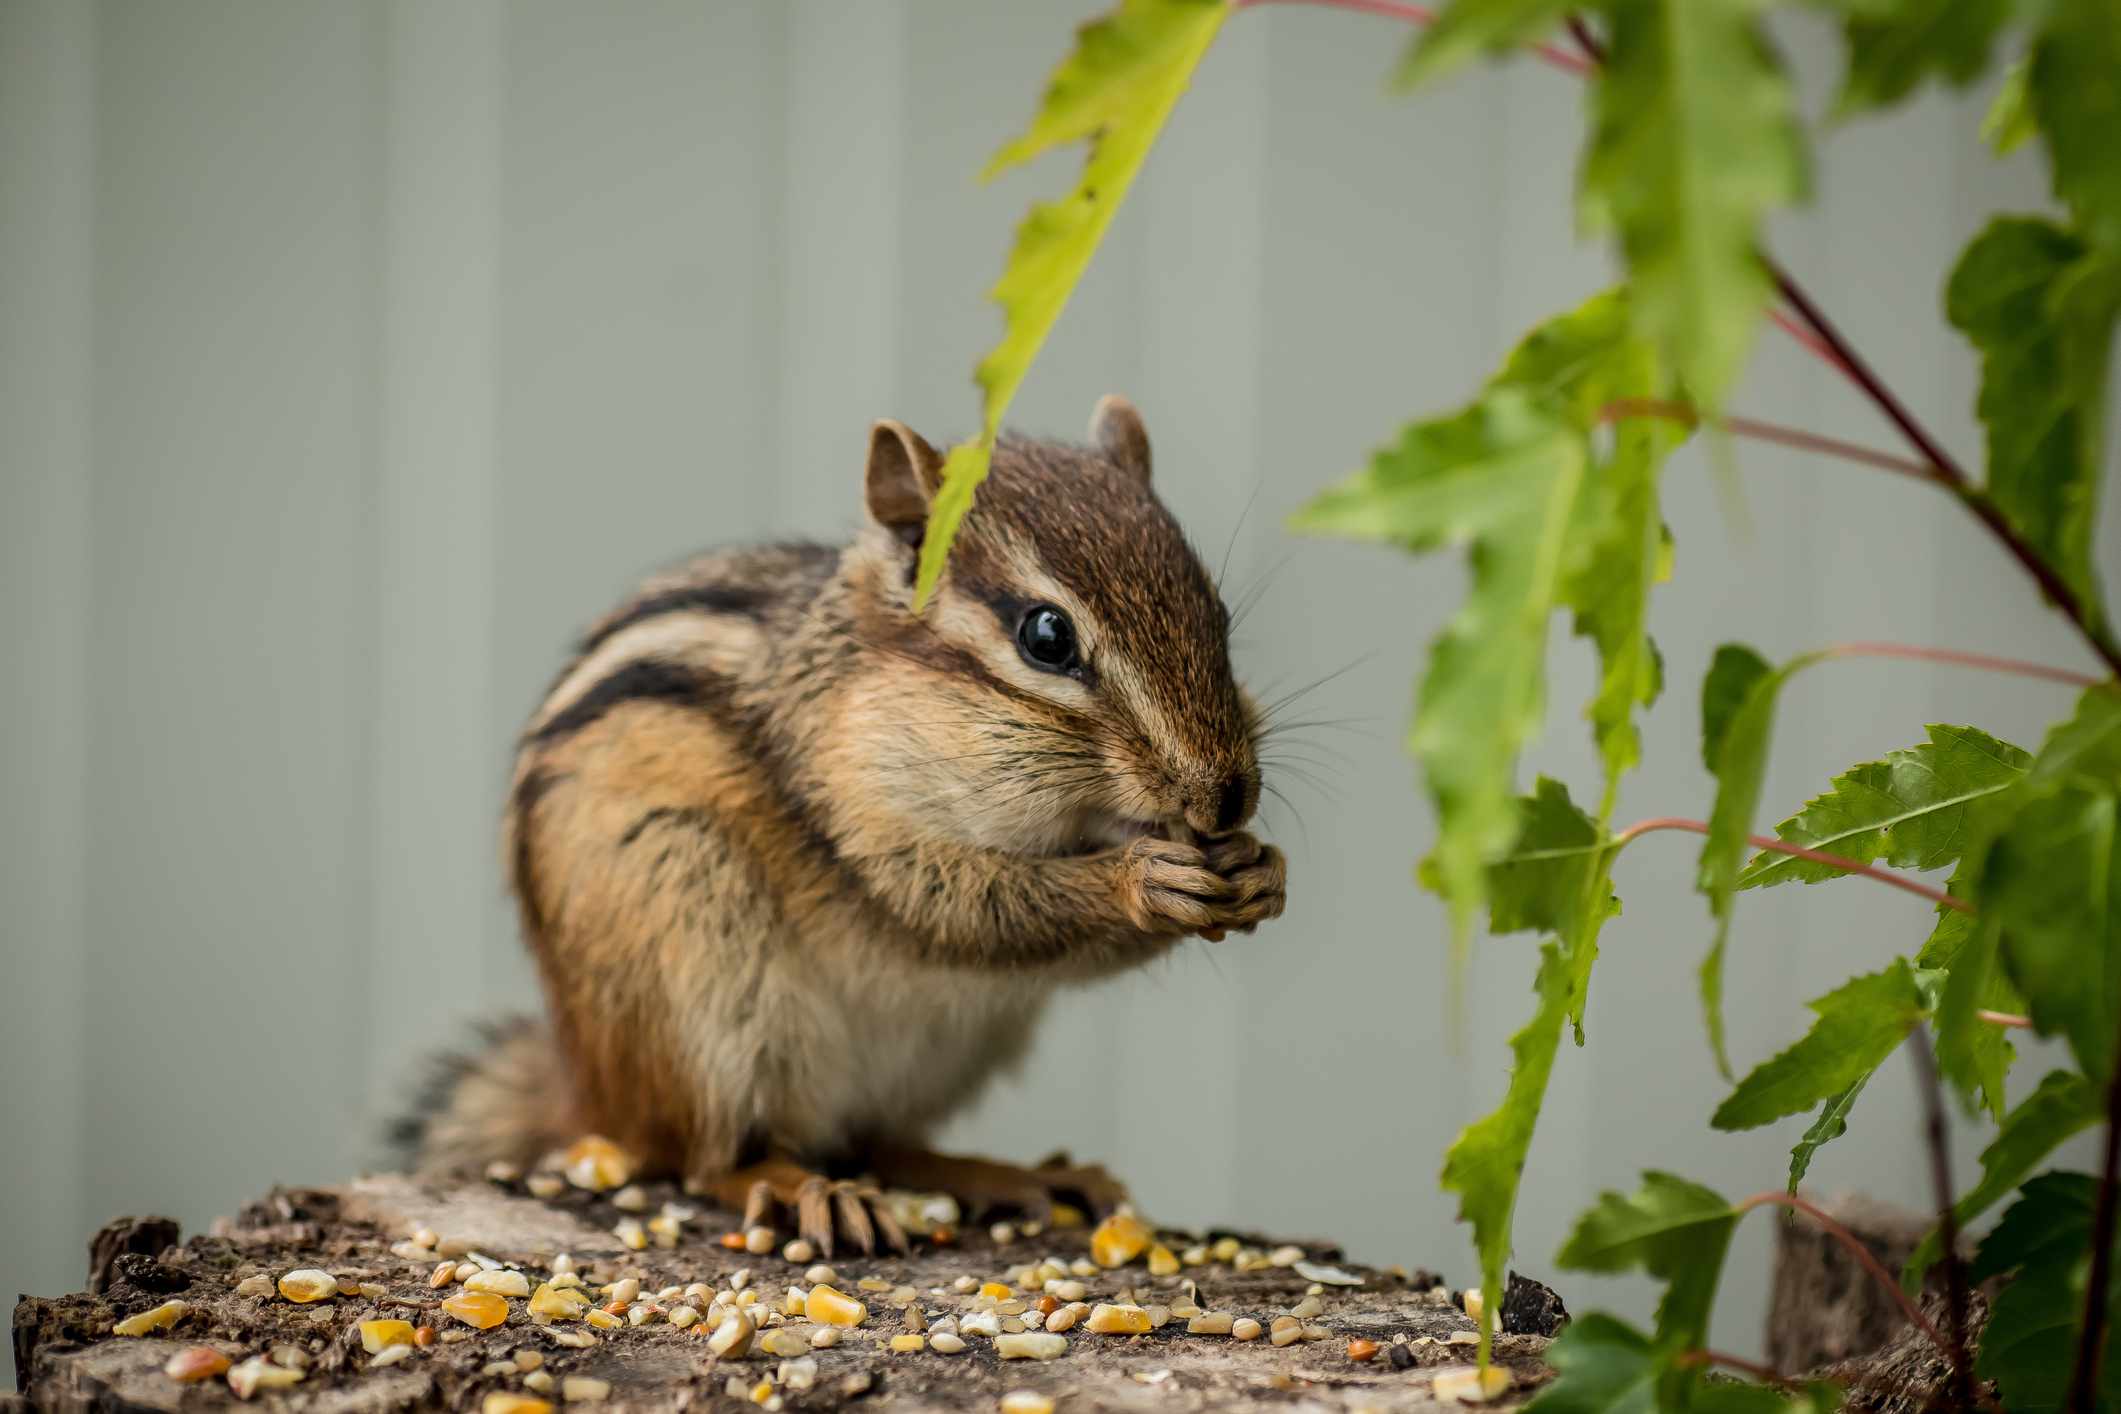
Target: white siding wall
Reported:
[(353, 355)]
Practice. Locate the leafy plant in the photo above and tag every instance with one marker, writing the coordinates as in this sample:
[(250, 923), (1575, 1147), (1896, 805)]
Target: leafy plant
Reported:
[(1547, 479)]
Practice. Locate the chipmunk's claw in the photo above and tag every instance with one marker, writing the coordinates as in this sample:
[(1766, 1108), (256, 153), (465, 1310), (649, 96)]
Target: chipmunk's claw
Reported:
[(982, 1186), (825, 1212)]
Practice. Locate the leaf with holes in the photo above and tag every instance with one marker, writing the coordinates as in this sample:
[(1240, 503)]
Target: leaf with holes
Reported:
[(1694, 140), (1114, 91), (1859, 1024)]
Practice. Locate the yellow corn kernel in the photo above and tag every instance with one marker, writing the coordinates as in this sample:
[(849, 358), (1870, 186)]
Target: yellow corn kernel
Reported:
[(1026, 1401), (499, 1283), (829, 1308), (996, 1290), (1119, 1239), (378, 1336), (258, 1373), (597, 1164), (501, 1401), (481, 1310), (195, 1363), (309, 1284), (1117, 1320), (603, 1320), (1066, 1215), (762, 1391), (161, 1318), (908, 1343), (1471, 1385), (1162, 1263)]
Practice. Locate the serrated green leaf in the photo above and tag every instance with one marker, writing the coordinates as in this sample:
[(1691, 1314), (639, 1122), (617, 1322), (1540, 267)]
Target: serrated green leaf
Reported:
[(1910, 809), (1694, 140), (2052, 882), (2087, 744), (1973, 1056), (1114, 90), (1895, 47), (2009, 120), (2071, 90), (2030, 1343), (1470, 27), (2040, 308), (1675, 1230), (1603, 1365), (1737, 715), (1828, 1125), (1501, 477), (1859, 1025), (1545, 883), (2064, 1104)]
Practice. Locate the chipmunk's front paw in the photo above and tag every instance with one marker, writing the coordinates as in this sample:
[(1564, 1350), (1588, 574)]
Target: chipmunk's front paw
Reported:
[(1255, 873), (1167, 888)]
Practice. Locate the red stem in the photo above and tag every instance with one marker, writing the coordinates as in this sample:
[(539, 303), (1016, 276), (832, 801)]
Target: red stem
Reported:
[(1769, 432), (1953, 656), (1733, 1362), (1817, 856), (2004, 1018), (1552, 54), (1856, 1249), (1939, 1141)]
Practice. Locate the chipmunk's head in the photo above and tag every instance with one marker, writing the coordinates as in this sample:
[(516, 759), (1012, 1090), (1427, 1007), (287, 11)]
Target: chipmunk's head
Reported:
[(1085, 649)]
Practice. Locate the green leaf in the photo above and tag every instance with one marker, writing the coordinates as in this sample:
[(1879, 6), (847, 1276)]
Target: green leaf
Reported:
[(1501, 477), (1603, 1366), (1828, 1125), (1972, 1055), (2041, 310), (2052, 882), (2030, 1344), (1896, 46), (2088, 744), (1911, 809), (1470, 27), (1114, 91), (1673, 1229), (2064, 1104), (1737, 714), (2009, 120), (1545, 884), (2071, 88), (1694, 140), (1859, 1024)]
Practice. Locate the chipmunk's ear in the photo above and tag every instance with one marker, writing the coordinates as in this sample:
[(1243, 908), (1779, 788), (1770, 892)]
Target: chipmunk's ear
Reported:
[(1116, 428), (904, 474)]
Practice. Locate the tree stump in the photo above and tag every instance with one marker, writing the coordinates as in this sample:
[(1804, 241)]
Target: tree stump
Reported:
[(362, 1235)]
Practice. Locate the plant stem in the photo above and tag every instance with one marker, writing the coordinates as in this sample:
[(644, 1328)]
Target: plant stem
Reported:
[(1733, 1362), (1817, 856), (1777, 1198), (1552, 54), (1768, 432), (1962, 1379), (2004, 1018), (2091, 1336), (2017, 666)]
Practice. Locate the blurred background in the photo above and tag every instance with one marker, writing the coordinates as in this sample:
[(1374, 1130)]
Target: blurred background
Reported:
[(353, 356)]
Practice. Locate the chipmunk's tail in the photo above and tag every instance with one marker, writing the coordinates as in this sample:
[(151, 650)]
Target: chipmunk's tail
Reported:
[(504, 1099)]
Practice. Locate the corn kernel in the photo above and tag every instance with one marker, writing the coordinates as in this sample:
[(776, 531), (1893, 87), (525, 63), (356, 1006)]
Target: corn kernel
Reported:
[(732, 1338), (1028, 1346), (499, 1283), (1210, 1323), (1066, 1215), (1026, 1401), (161, 1318), (1162, 1263), (309, 1284), (597, 1164), (503, 1402), (604, 1320), (560, 1303), (582, 1389), (390, 1355), (784, 1343), (1117, 1320), (630, 1232), (908, 1343), (481, 1310), (1119, 1239), (195, 1363), (1224, 1250), (830, 1308), (946, 1343), (1286, 1330), (1473, 1302), (258, 1373), (1471, 1385), (1245, 1328), (378, 1336), (762, 1391), (1360, 1350), (996, 1290), (1305, 1309)]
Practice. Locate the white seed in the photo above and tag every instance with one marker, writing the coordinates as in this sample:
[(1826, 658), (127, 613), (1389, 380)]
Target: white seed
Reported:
[(560, 1264), (824, 1337), (758, 1241), (683, 1316), (1002, 1233), (1026, 1401), (732, 1338), (966, 1284), (545, 1185), (390, 1355), (1286, 1330), (425, 1237), (308, 1284), (260, 1285), (1030, 1347), (1471, 1385), (799, 1251), (1064, 1318), (981, 1323), (632, 1199), (258, 1373), (822, 1275), (627, 1291), (1473, 1302), (499, 1283), (1305, 1309), (630, 1232), (1067, 1290), (1210, 1323), (582, 1389), (539, 1380), (573, 1339), (1245, 1328), (1287, 1256), (944, 1343), (501, 1171)]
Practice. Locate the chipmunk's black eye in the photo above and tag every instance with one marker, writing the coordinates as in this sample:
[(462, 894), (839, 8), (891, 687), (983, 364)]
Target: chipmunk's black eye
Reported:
[(1047, 640)]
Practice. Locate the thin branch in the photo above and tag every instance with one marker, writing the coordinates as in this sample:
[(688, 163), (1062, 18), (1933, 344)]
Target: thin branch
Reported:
[(1769, 432), (1552, 54), (1817, 856), (1732, 1362), (2004, 1018), (1934, 1131), (1854, 1245), (2091, 1333), (2016, 666)]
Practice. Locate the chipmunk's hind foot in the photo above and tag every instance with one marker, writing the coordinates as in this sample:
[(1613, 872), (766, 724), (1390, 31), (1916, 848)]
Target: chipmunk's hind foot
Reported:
[(984, 1186), (827, 1212)]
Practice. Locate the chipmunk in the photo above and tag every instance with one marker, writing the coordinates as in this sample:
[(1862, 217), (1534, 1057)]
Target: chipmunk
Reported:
[(801, 867)]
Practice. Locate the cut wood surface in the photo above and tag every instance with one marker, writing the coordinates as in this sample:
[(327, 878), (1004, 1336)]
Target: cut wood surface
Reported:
[(363, 1235)]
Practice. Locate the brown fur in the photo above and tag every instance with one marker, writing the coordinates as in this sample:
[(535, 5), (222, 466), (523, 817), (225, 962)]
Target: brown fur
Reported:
[(800, 868)]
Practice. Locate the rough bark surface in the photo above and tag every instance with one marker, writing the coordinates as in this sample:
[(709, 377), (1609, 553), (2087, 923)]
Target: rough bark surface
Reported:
[(67, 1357)]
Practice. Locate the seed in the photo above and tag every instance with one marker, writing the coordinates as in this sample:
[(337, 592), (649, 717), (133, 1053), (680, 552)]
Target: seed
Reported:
[(1159, 1317), (828, 1307), (1195, 1256), (1210, 1323), (630, 1232), (195, 1363), (527, 1360), (632, 1198), (1067, 1290), (799, 1251), (481, 1310), (1162, 1263), (1462, 1338), (1117, 1320), (597, 1164), (1471, 1385), (258, 1373), (1359, 1350), (1287, 1256), (379, 1336), (824, 1338), (260, 1285), (442, 1276), (1119, 1239), (294, 1357), (908, 1343), (640, 1313), (799, 1374), (981, 1323), (161, 1318), (732, 1338), (504, 1402), (683, 1316), (783, 1342), (1002, 1233), (623, 1292), (545, 1185), (500, 1283), (539, 1380), (308, 1284), (758, 1240), (1083, 1267), (572, 1339), (603, 1320), (1473, 1302), (665, 1230), (1225, 1249), (423, 1336), (822, 1275), (944, 1343), (1245, 1328), (1030, 1347), (559, 1303), (581, 1389), (1305, 1309), (1286, 1330), (995, 1291), (390, 1355), (1026, 1401), (916, 1319)]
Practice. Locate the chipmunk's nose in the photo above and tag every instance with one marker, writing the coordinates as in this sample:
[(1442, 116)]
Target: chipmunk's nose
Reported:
[(1221, 807)]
